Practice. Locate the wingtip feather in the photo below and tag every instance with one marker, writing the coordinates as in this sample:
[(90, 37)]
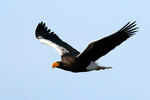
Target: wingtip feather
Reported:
[(130, 28), (42, 31)]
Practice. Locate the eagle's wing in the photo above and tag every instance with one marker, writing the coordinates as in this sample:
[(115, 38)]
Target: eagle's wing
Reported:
[(99, 48), (45, 36)]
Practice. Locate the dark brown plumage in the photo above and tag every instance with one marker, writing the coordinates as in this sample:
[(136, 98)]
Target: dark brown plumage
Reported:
[(74, 61)]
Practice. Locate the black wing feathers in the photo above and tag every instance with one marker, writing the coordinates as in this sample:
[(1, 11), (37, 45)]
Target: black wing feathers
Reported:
[(99, 48), (42, 32)]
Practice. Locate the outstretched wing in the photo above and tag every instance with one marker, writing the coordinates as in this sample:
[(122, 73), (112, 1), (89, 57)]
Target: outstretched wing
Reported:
[(45, 36), (99, 48)]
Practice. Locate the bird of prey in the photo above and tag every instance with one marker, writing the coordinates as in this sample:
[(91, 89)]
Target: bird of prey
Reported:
[(74, 61)]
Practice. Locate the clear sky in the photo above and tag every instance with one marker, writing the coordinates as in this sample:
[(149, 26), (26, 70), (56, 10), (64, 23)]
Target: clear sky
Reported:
[(25, 64)]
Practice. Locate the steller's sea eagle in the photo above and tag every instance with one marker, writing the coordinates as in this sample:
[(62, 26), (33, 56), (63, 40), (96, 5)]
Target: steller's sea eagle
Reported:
[(74, 61)]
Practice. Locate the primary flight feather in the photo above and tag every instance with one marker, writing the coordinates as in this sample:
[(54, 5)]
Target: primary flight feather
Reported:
[(74, 61)]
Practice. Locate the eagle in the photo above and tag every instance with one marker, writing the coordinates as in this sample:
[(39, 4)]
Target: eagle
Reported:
[(74, 61)]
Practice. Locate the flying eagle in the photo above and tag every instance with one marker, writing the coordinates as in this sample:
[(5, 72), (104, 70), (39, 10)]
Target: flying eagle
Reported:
[(74, 61)]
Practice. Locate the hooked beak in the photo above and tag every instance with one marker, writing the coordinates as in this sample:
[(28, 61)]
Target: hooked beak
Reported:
[(55, 64)]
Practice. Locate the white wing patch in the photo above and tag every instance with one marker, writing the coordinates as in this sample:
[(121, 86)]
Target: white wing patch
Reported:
[(58, 48)]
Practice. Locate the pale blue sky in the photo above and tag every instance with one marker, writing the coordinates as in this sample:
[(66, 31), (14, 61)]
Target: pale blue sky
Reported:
[(25, 68)]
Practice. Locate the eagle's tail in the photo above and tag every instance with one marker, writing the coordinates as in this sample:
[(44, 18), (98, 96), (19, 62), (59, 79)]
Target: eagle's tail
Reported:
[(102, 68)]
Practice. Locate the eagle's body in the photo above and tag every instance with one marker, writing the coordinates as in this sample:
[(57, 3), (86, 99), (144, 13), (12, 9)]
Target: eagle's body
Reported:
[(78, 66), (74, 61), (75, 65)]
